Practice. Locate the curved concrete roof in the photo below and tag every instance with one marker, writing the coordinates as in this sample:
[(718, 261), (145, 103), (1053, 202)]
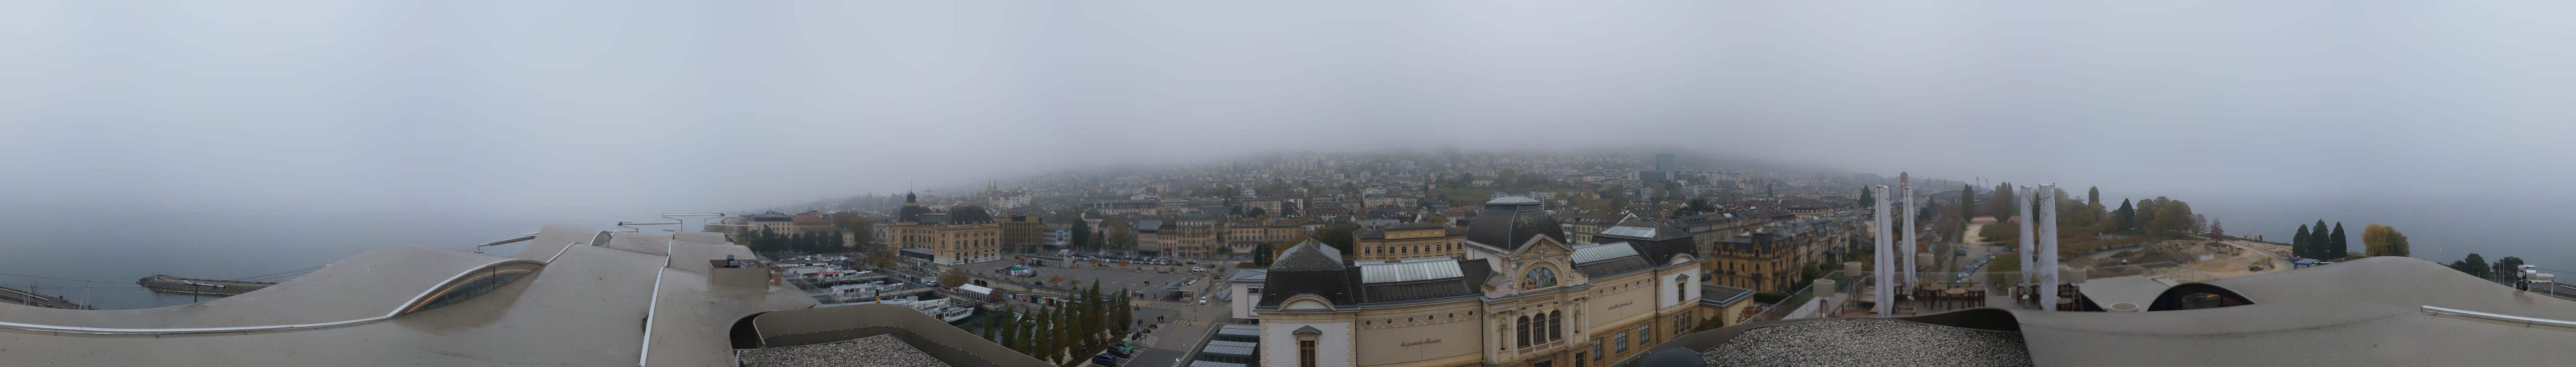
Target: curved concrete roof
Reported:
[(369, 284), (2365, 312), (2368, 312), (2396, 280), (582, 309)]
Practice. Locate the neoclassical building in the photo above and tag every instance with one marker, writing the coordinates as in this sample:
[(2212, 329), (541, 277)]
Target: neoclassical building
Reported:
[(962, 234), (1518, 296), (1407, 240)]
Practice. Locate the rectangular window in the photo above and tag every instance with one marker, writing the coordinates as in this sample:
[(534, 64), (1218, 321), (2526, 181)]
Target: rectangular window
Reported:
[(1645, 334), (1622, 339), (1305, 353), (1578, 360)]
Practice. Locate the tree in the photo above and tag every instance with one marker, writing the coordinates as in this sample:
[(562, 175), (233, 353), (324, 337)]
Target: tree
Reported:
[(984, 328), (1337, 235), (1044, 345), (1096, 312), (955, 276), (1967, 201), (2473, 265), (2003, 203), (1124, 316), (2128, 216), (1256, 212), (2299, 243), (2335, 242), (882, 256), (2505, 265), (2317, 241), (2382, 240), (1712, 323), (1008, 336), (1120, 238), (1289, 210), (1865, 199), (1696, 207), (1261, 254), (1081, 234)]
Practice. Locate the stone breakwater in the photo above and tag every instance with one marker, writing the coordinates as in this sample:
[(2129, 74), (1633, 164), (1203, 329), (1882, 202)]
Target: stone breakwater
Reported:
[(167, 283), (1869, 342), (881, 350)]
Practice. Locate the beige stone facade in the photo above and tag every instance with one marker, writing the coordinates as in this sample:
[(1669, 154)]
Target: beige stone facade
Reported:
[(1408, 240), (961, 234)]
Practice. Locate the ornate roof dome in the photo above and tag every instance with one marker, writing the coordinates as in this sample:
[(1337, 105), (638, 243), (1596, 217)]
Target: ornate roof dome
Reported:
[(1509, 221)]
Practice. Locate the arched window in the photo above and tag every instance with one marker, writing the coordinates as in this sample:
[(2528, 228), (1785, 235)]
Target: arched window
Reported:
[(1524, 334), (1538, 278), (473, 284), (1555, 325)]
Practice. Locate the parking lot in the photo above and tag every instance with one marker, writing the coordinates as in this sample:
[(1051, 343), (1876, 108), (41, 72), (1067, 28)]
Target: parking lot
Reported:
[(1132, 279)]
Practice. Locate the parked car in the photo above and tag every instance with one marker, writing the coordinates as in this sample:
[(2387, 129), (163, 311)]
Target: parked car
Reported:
[(1202, 300), (1195, 269), (1105, 360)]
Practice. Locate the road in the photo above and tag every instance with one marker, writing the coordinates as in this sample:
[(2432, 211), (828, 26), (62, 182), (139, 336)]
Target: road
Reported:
[(1185, 327)]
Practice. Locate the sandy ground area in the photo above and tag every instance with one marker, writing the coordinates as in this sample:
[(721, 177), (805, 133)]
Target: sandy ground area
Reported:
[(2222, 260)]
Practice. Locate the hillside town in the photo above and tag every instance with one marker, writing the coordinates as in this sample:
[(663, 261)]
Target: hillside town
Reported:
[(1247, 210)]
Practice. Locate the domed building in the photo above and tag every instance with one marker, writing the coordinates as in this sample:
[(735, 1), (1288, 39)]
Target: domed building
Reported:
[(1517, 296)]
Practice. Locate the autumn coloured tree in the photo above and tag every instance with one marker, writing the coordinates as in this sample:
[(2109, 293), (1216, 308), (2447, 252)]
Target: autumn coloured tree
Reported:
[(2382, 240)]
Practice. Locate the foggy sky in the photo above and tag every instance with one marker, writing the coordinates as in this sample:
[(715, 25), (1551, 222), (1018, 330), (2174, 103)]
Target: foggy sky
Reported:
[(540, 108)]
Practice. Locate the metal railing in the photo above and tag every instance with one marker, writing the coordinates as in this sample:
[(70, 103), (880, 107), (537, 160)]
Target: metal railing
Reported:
[(2525, 321)]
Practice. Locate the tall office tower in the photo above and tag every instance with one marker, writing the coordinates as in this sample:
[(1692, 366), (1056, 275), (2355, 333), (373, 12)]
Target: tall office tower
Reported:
[(1664, 162)]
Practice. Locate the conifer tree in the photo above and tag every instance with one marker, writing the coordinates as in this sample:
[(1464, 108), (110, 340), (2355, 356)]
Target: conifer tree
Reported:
[(2317, 236), (2128, 215), (985, 329), (1121, 315), (1967, 201), (2336, 242), (2299, 243), (1011, 327), (1043, 346)]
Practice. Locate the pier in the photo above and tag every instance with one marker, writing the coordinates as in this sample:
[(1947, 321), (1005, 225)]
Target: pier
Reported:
[(167, 283), (14, 295)]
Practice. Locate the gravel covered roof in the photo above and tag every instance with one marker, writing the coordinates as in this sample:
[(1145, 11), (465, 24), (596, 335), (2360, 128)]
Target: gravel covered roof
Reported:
[(874, 351), (1868, 342)]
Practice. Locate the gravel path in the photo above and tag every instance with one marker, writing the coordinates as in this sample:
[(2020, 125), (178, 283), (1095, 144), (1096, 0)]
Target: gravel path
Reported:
[(1869, 342), (881, 350)]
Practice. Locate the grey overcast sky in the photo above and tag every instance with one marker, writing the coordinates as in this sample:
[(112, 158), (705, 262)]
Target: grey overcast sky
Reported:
[(647, 106)]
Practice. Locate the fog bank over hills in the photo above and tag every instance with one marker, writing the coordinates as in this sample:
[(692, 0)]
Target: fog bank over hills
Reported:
[(578, 111)]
